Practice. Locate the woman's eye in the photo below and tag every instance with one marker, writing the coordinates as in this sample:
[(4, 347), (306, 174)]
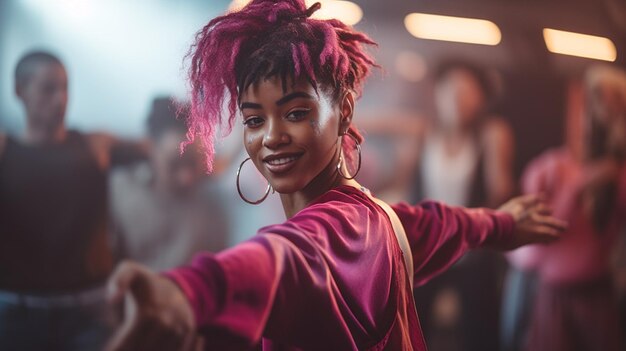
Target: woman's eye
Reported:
[(297, 115), (252, 122)]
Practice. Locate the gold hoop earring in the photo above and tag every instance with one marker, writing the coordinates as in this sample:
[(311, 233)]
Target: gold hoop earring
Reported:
[(267, 191), (358, 148)]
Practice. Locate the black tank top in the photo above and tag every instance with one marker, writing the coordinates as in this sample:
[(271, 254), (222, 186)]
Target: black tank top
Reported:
[(53, 217)]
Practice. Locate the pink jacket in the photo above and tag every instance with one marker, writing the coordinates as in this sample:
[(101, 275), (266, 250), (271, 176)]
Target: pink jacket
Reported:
[(332, 277)]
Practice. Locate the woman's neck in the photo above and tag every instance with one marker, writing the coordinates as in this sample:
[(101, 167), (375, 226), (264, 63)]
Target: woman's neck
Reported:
[(328, 179)]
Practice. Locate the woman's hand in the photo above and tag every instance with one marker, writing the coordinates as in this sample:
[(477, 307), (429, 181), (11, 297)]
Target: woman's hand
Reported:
[(533, 221), (157, 315)]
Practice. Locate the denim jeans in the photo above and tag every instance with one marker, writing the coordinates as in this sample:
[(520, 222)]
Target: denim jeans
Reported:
[(83, 327)]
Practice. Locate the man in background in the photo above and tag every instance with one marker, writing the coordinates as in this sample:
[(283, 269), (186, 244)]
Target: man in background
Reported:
[(166, 209), (54, 252)]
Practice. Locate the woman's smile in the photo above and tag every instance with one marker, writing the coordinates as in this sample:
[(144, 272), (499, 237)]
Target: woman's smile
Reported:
[(278, 163)]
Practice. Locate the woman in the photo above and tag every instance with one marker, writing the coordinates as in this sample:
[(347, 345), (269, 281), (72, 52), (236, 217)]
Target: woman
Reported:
[(467, 152), (463, 156), (575, 306), (337, 274), (466, 159)]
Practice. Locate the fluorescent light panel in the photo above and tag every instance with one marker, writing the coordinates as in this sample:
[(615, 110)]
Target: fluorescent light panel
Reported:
[(455, 29), (346, 11), (581, 45)]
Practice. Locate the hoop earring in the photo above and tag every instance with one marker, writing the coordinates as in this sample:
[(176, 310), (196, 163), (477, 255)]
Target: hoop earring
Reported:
[(358, 148), (267, 192)]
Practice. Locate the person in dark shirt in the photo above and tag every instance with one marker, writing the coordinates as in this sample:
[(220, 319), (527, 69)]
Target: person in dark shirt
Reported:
[(54, 252)]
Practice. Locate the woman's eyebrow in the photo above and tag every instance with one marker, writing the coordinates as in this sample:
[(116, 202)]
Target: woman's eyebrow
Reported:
[(251, 105), (285, 99), (298, 94)]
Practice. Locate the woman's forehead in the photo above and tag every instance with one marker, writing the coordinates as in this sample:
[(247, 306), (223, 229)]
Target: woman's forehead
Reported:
[(275, 87)]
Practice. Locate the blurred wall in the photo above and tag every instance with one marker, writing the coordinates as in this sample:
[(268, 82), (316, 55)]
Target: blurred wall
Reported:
[(118, 54)]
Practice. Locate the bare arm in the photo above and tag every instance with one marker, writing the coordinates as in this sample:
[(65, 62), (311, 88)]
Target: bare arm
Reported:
[(103, 143)]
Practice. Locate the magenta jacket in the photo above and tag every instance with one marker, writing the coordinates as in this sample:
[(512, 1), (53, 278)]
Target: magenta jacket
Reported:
[(333, 276)]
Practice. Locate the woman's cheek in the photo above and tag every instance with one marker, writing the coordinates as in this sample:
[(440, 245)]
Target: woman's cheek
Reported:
[(251, 143)]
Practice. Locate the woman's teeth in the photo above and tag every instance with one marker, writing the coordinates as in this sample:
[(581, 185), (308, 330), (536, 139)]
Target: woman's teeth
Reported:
[(282, 160)]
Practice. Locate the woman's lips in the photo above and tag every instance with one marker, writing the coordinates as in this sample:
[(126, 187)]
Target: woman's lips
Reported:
[(281, 163)]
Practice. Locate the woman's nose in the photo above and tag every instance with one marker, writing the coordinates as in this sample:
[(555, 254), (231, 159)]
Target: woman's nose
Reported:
[(275, 136)]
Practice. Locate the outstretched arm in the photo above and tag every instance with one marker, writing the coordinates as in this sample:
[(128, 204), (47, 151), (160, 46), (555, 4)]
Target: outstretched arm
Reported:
[(232, 309), (233, 297), (439, 235)]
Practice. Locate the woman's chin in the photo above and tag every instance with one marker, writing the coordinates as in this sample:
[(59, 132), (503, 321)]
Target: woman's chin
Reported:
[(282, 188), (287, 185)]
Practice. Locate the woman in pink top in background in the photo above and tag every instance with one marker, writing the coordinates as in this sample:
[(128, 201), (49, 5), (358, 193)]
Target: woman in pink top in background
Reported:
[(337, 275), (585, 183)]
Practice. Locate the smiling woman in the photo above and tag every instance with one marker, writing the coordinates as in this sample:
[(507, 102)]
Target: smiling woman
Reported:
[(338, 274), (293, 136)]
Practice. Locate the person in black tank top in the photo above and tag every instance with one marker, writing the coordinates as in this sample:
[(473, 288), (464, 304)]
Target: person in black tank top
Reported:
[(54, 252), (52, 217)]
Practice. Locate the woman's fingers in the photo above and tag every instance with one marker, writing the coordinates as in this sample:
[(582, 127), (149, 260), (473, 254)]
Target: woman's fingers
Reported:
[(552, 222), (530, 200), (121, 280), (141, 333), (123, 339), (156, 313), (128, 282), (193, 342), (546, 235), (543, 209)]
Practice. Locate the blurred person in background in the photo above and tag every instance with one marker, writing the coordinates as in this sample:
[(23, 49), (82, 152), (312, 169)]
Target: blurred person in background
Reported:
[(466, 153), (463, 156), (54, 252), (575, 307), (166, 209), (465, 159)]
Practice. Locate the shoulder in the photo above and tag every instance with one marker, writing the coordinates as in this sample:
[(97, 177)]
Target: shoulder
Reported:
[(342, 211), (100, 139), (549, 159), (496, 132), (546, 164), (101, 144)]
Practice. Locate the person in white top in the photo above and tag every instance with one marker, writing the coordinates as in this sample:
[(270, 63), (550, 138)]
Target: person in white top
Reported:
[(167, 209)]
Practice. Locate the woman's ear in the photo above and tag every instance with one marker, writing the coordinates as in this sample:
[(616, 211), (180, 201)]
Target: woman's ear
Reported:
[(347, 111)]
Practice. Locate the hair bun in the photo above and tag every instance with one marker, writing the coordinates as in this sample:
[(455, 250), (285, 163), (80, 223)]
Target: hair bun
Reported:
[(290, 14), (309, 12)]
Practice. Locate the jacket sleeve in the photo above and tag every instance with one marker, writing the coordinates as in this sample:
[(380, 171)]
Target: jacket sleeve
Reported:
[(232, 293), (276, 284), (439, 235)]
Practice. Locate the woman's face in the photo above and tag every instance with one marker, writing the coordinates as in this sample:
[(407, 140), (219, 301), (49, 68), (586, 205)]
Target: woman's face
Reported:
[(291, 135), (459, 98)]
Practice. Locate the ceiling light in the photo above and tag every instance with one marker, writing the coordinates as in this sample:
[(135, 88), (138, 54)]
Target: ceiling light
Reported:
[(456, 29), (581, 45)]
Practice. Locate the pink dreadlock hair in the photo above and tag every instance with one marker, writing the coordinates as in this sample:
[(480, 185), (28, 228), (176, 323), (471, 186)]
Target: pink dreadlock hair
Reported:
[(270, 38)]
